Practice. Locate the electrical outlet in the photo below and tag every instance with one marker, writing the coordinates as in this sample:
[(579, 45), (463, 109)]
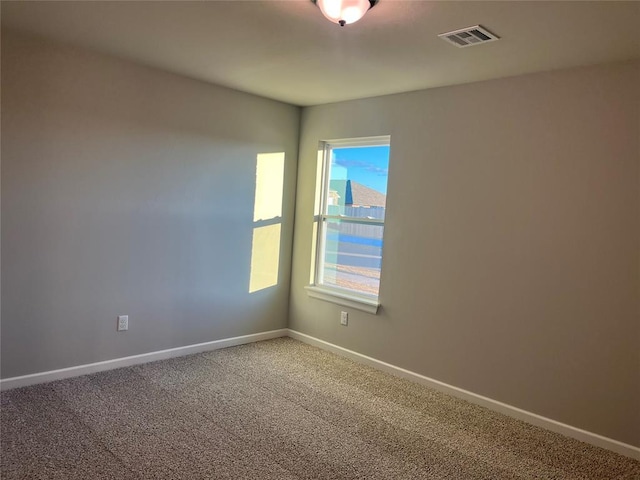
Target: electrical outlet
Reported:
[(344, 318), (123, 322)]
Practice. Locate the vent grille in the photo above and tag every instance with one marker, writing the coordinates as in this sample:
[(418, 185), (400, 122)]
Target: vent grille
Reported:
[(470, 36)]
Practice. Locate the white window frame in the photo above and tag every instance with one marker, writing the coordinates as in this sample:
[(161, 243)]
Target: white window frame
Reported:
[(341, 296)]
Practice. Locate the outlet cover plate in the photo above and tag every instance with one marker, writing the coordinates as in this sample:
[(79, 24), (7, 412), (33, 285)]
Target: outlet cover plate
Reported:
[(123, 322), (344, 319)]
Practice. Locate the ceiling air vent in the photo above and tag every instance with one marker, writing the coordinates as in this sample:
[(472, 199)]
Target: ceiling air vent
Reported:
[(470, 36)]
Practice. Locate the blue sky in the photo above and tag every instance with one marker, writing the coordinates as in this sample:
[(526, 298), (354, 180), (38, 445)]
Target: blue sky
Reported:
[(366, 165)]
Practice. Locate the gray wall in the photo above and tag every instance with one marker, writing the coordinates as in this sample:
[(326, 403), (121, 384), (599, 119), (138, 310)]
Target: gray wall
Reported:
[(512, 246), (512, 252), (126, 190)]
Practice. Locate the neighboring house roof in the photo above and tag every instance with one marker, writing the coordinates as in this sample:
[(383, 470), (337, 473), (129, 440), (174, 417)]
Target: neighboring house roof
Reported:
[(354, 193)]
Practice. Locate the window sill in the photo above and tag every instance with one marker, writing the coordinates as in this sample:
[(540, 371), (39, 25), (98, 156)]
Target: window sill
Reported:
[(365, 304)]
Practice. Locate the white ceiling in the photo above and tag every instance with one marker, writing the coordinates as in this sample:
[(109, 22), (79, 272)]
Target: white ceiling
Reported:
[(286, 49)]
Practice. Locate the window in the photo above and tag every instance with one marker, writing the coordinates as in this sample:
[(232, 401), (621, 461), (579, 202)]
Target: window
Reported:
[(350, 217)]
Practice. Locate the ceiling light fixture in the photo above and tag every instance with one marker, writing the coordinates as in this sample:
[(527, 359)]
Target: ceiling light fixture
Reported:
[(343, 12)]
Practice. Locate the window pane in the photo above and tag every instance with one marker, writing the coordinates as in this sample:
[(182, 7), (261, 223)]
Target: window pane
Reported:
[(358, 181), (352, 256)]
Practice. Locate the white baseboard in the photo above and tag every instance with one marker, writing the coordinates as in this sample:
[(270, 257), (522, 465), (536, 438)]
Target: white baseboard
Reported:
[(532, 418), (514, 412), (42, 377)]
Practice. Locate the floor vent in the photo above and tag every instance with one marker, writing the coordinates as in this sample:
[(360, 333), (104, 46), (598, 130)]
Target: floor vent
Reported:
[(470, 36)]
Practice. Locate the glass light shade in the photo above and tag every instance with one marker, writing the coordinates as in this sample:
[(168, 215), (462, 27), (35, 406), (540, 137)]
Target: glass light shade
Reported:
[(347, 11)]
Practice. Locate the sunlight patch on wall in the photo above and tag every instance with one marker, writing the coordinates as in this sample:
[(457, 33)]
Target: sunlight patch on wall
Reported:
[(265, 257), (267, 219), (269, 186)]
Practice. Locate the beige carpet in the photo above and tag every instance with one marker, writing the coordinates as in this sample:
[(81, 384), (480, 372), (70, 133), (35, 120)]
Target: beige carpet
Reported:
[(278, 409)]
